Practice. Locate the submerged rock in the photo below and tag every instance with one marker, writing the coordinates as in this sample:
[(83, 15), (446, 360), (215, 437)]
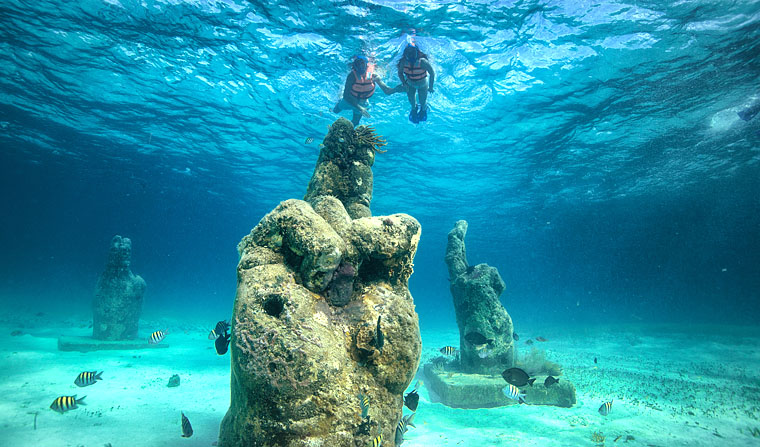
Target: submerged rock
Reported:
[(173, 381), (119, 294), (312, 283), (476, 291)]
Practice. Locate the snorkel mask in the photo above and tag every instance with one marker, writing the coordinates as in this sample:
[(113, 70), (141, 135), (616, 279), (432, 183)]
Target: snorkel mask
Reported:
[(411, 53), (360, 65)]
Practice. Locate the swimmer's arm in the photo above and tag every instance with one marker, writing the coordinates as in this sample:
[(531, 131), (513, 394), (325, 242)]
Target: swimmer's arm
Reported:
[(387, 90), (426, 65), (401, 74)]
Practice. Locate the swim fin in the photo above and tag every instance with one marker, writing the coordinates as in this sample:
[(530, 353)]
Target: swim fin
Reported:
[(413, 116), (422, 115)]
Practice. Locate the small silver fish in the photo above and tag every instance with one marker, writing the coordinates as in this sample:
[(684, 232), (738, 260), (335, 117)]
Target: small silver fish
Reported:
[(309, 140)]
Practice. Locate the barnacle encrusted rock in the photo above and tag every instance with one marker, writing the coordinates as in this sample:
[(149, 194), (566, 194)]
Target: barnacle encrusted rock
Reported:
[(312, 282), (119, 294), (476, 290)]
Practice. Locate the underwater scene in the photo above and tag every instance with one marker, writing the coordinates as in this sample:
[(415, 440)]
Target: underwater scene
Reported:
[(349, 223)]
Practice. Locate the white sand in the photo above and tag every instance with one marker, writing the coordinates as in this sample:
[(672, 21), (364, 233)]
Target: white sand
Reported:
[(672, 387)]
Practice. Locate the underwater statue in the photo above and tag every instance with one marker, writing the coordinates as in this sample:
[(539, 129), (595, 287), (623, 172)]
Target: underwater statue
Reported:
[(323, 313), (485, 328), (119, 294)]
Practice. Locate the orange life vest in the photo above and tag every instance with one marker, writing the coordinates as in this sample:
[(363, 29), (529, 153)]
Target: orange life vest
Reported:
[(363, 86), (414, 72)]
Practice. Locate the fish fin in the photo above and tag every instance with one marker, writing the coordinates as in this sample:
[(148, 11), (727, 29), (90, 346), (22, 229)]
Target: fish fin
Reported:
[(521, 398), (530, 381), (97, 376), (79, 401), (410, 420)]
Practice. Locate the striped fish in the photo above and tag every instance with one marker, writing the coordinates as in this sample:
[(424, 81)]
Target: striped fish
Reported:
[(65, 403), (605, 409), (364, 404), (187, 429), (403, 425), (513, 393), (448, 350), (378, 441), (87, 378), (157, 336)]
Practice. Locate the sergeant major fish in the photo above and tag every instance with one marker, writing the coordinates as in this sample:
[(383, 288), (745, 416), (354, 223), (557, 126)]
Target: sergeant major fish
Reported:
[(187, 429), (87, 378), (605, 409), (364, 404), (378, 441), (513, 393), (63, 404), (448, 350), (403, 425), (157, 336)]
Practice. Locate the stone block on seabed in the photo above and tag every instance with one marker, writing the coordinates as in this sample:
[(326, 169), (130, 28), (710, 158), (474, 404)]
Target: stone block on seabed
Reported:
[(462, 390)]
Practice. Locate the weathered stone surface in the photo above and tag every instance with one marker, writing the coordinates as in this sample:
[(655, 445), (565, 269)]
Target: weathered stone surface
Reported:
[(312, 283), (460, 390), (476, 292), (87, 344), (119, 294), (344, 169)]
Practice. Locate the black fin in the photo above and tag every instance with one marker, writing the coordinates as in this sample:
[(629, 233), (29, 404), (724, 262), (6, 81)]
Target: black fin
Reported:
[(530, 381)]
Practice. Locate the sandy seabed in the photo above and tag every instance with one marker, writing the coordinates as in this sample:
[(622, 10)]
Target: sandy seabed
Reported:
[(671, 385)]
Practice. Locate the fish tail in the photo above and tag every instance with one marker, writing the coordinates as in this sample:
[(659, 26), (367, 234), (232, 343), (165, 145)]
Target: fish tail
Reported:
[(97, 376), (410, 421), (530, 382), (79, 401)]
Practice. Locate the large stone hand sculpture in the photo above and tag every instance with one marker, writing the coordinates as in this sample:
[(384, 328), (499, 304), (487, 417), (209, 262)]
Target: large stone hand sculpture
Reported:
[(312, 283)]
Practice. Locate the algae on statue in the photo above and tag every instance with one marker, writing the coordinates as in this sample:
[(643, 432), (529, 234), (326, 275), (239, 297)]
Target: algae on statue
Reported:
[(475, 291), (119, 294), (313, 277)]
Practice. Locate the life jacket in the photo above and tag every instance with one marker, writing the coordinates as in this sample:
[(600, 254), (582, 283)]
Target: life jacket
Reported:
[(414, 72), (363, 86)]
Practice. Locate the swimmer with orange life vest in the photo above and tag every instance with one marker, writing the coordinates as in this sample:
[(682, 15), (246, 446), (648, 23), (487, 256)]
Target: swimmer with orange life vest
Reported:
[(413, 70), (360, 86)]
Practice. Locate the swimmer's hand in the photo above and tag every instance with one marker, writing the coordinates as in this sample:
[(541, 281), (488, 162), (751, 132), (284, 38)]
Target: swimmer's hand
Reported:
[(430, 90), (364, 112)]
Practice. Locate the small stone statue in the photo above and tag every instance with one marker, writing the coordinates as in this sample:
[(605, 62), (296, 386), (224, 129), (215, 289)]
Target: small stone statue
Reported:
[(119, 295)]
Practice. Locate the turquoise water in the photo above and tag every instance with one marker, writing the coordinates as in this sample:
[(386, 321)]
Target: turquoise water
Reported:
[(595, 149)]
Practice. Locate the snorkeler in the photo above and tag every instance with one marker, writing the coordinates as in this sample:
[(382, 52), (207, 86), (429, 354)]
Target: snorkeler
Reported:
[(360, 86), (413, 69)]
